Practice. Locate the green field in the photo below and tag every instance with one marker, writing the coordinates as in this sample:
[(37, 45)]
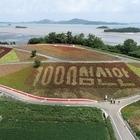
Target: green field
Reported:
[(40, 122), (9, 57), (131, 114)]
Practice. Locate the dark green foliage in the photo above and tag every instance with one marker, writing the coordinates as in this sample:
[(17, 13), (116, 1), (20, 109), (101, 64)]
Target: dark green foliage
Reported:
[(135, 53), (33, 53), (40, 122), (36, 40), (25, 130), (129, 47), (37, 63), (123, 30), (62, 38), (4, 43)]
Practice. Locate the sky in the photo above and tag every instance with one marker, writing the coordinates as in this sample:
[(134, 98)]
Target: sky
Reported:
[(125, 11)]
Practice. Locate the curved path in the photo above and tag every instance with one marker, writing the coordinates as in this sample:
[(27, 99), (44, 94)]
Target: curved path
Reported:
[(113, 110)]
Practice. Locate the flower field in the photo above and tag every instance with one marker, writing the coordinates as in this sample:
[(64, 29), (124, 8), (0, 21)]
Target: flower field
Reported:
[(69, 52), (83, 80), (12, 55), (4, 50), (88, 75), (91, 80)]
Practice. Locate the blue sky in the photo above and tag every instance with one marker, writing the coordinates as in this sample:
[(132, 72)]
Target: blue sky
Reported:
[(95, 10)]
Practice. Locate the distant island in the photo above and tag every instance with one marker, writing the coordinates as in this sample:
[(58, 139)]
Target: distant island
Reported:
[(72, 21), (20, 27), (124, 30), (103, 27)]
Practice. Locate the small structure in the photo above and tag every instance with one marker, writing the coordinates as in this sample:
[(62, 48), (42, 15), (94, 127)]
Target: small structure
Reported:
[(105, 98)]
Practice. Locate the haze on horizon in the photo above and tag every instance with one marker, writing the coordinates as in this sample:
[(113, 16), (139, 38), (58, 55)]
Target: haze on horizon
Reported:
[(95, 10)]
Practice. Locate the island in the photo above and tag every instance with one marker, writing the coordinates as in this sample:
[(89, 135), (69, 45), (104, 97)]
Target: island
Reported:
[(124, 30), (103, 27), (21, 27)]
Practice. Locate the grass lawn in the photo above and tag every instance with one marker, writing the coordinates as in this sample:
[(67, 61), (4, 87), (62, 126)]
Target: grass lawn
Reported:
[(40, 122)]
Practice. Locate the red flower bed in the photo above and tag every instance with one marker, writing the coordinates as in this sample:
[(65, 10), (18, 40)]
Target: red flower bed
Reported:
[(68, 52), (4, 50), (92, 75)]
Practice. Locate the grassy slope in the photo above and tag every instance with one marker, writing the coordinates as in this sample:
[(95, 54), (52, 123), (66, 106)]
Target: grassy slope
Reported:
[(131, 114), (134, 68), (17, 79), (9, 57), (28, 121)]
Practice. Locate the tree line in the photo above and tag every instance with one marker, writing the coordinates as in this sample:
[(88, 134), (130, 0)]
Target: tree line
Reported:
[(6, 43), (124, 30), (67, 38), (129, 46)]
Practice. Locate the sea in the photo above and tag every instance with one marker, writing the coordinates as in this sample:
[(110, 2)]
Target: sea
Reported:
[(9, 33)]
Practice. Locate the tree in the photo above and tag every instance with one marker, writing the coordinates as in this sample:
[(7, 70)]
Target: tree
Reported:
[(33, 53), (69, 37), (90, 40), (98, 43), (37, 63), (129, 45), (52, 37), (78, 39), (34, 41), (60, 38)]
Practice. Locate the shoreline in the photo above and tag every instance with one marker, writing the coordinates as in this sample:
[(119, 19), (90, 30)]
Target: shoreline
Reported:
[(22, 35)]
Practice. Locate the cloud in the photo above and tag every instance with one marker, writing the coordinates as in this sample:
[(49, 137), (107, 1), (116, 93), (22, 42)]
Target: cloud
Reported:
[(35, 9), (73, 5)]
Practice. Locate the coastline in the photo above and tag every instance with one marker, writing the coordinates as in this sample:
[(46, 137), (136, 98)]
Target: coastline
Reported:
[(22, 35)]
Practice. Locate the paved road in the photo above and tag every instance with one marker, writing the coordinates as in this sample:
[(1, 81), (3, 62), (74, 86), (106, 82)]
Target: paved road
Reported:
[(121, 130), (113, 110)]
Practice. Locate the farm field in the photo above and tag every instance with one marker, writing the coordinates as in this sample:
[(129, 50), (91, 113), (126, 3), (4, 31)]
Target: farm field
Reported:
[(131, 114), (28, 121), (67, 52)]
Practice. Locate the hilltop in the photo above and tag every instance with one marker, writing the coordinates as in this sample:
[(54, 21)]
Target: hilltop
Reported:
[(72, 21)]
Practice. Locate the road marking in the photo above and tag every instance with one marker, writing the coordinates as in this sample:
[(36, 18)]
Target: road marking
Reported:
[(116, 127)]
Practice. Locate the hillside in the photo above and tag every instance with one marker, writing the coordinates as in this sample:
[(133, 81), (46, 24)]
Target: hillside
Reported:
[(71, 21), (91, 79)]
